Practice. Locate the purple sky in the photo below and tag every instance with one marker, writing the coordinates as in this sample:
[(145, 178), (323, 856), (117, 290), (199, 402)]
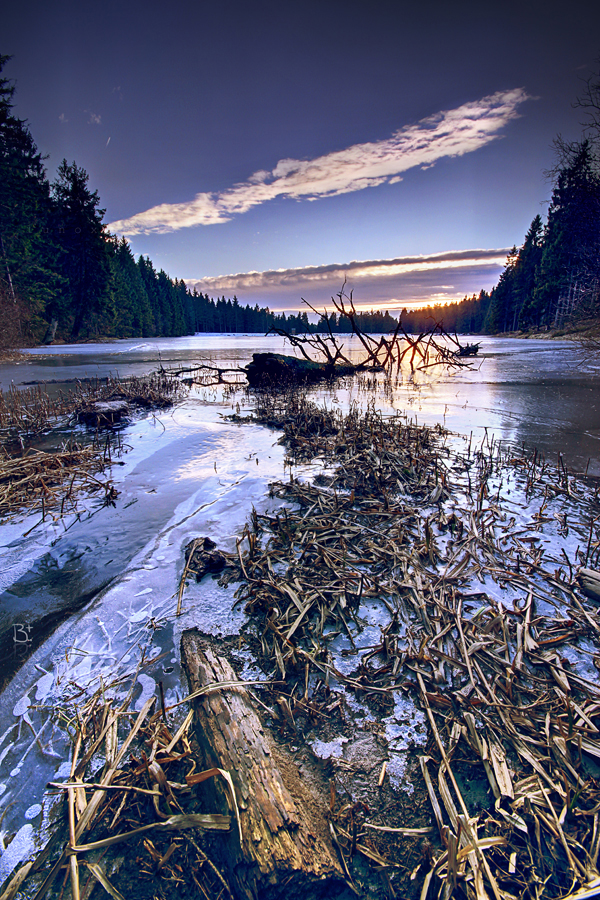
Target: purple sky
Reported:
[(270, 149)]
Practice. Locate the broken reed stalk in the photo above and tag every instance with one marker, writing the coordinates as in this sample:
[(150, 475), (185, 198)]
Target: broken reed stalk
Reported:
[(149, 764)]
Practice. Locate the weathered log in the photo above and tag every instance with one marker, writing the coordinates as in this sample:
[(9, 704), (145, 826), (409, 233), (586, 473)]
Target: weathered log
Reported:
[(102, 413), (589, 581), (284, 849), (277, 369)]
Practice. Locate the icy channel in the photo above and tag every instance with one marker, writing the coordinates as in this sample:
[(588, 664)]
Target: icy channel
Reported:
[(189, 475)]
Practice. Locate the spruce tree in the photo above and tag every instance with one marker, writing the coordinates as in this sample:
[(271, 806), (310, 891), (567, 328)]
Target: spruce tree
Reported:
[(86, 299), (28, 277), (570, 262)]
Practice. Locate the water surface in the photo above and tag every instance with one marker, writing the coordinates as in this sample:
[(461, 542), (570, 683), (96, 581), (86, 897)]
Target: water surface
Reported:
[(539, 393)]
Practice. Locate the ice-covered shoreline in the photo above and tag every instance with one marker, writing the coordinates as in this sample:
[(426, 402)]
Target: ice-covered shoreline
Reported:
[(187, 473)]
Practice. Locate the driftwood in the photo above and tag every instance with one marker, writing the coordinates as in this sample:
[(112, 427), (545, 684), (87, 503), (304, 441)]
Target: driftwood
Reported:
[(285, 848)]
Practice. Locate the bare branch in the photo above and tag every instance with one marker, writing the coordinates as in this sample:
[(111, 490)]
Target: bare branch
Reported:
[(590, 102)]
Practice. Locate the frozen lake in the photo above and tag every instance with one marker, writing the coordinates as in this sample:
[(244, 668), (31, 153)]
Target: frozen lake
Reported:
[(189, 472), (537, 392)]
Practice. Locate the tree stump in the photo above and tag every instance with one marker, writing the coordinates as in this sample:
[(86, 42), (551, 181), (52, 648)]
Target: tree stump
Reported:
[(103, 413), (285, 849)]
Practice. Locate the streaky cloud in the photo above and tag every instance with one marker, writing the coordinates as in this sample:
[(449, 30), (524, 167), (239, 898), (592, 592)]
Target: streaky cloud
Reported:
[(448, 133), (381, 283)]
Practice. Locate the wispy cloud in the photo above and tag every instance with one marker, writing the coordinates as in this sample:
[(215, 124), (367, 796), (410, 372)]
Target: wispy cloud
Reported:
[(379, 283), (94, 118), (445, 134)]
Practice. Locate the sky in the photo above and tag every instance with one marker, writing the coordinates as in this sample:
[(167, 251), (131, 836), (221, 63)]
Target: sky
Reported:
[(277, 150)]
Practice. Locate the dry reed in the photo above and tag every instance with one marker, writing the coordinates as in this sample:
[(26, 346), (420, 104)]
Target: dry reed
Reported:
[(401, 517)]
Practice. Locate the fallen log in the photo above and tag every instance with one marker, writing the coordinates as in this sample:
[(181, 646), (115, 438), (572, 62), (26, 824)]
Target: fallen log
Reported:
[(467, 350), (103, 413), (284, 848), (589, 581), (277, 369)]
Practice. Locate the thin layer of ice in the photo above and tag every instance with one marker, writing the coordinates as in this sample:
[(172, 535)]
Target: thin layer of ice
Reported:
[(329, 749)]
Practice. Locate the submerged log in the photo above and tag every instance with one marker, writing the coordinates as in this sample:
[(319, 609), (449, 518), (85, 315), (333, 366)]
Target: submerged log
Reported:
[(467, 350), (284, 848), (277, 369)]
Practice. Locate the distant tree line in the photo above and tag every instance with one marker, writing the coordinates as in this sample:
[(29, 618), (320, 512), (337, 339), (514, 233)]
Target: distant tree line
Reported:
[(61, 271), (463, 317), (374, 322)]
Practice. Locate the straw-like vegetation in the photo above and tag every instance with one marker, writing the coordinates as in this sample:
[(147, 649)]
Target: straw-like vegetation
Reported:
[(484, 633), (28, 412), (53, 480), (144, 795), (482, 629)]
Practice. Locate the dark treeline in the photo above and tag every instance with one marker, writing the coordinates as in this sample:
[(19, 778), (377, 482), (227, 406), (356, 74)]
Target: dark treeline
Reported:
[(62, 272), (464, 317), (554, 277), (375, 322)]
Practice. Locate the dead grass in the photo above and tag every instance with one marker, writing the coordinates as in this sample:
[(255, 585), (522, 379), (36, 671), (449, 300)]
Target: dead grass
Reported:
[(53, 481), (143, 796), (494, 679)]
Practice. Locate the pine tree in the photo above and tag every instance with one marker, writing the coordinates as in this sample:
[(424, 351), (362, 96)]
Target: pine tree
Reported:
[(84, 262), (501, 310), (27, 253), (526, 275), (133, 314), (570, 261)]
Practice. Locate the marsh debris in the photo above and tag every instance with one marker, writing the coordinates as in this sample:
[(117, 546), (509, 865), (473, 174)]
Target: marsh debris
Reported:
[(53, 482), (144, 795), (105, 404), (55, 479), (407, 574), (202, 557)]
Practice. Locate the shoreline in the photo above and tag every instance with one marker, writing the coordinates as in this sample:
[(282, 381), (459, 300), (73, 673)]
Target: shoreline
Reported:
[(401, 611), (587, 329)]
